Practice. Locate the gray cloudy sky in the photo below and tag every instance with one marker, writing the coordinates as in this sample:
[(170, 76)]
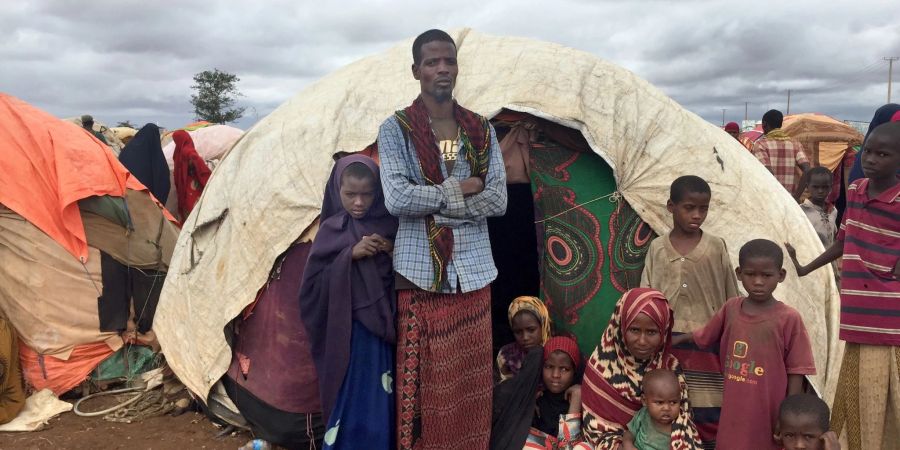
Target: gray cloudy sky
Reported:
[(124, 60)]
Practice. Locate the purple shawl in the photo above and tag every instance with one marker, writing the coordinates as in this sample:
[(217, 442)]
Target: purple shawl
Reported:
[(336, 290)]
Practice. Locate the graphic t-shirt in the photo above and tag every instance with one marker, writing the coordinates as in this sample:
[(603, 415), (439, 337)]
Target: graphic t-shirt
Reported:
[(756, 354)]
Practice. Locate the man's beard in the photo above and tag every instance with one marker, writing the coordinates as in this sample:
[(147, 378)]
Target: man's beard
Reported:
[(442, 96)]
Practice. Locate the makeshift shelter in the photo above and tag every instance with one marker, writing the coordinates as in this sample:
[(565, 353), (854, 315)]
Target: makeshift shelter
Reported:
[(64, 200), (212, 143), (636, 141), (825, 139), (112, 139)]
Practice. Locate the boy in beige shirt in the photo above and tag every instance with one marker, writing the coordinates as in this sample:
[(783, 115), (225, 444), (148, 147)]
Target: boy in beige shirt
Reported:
[(692, 269)]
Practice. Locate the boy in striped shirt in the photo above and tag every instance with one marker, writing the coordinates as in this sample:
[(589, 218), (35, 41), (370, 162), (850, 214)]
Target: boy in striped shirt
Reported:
[(869, 240)]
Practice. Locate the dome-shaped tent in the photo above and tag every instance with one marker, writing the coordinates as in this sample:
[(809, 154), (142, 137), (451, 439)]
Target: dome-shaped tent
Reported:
[(642, 138)]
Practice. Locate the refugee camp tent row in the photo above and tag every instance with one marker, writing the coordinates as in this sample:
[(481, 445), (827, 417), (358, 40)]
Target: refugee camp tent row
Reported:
[(590, 151), (79, 237)]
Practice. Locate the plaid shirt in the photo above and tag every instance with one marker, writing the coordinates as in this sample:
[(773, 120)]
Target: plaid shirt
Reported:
[(411, 199), (781, 157)]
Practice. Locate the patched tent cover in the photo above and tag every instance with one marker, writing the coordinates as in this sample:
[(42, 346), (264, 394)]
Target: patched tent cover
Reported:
[(269, 188), (64, 197)]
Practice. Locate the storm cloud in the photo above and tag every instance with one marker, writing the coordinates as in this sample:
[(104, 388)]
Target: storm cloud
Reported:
[(126, 60)]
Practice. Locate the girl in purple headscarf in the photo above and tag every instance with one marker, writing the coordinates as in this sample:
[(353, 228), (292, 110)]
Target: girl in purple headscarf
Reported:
[(348, 306)]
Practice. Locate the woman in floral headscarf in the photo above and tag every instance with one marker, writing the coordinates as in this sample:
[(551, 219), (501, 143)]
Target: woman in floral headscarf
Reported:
[(636, 341)]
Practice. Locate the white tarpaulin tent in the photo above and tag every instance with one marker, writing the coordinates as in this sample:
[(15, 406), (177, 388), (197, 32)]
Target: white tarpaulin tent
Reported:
[(270, 187)]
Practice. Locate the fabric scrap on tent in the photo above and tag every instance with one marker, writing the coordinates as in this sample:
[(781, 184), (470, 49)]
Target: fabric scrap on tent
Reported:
[(190, 173), (592, 244), (149, 244), (60, 376), (143, 157), (39, 408), (123, 287), (128, 362)]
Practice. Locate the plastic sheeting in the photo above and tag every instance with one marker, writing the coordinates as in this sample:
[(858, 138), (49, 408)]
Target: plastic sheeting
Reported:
[(39, 409), (270, 187)]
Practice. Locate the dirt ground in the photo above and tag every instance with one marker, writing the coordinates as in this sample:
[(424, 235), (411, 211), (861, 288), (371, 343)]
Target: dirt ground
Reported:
[(188, 431)]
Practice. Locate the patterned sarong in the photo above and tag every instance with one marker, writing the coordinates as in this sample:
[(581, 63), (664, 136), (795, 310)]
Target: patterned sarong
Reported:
[(868, 390), (444, 377)]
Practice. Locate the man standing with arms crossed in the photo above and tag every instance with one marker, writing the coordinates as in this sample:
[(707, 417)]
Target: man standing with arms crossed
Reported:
[(443, 175)]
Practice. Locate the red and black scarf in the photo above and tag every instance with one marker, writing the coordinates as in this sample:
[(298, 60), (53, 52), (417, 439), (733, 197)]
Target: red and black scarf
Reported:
[(474, 142)]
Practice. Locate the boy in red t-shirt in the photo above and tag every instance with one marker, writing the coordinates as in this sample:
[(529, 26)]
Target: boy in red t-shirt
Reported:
[(764, 351)]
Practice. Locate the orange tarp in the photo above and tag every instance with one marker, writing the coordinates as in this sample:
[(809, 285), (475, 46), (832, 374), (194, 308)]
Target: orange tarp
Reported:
[(59, 375), (48, 165)]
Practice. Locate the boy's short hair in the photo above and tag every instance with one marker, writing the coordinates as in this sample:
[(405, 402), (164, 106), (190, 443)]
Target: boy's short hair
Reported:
[(357, 170), (820, 170), (806, 405), (761, 248), (687, 184)]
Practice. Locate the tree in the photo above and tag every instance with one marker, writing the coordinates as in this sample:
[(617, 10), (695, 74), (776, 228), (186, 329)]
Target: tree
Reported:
[(126, 123), (215, 96)]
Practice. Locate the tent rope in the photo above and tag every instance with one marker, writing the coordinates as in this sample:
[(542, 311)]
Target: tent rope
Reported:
[(613, 197), (88, 273)]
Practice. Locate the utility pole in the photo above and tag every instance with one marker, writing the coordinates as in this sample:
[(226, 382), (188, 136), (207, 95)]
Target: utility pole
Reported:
[(746, 106), (723, 116), (890, 60), (789, 103)]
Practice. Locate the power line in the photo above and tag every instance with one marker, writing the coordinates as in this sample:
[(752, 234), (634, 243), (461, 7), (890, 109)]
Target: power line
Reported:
[(890, 60), (863, 73)]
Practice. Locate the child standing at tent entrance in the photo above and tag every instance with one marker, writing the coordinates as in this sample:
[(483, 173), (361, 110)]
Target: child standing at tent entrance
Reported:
[(530, 323), (692, 269), (867, 403), (348, 306), (764, 351)]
